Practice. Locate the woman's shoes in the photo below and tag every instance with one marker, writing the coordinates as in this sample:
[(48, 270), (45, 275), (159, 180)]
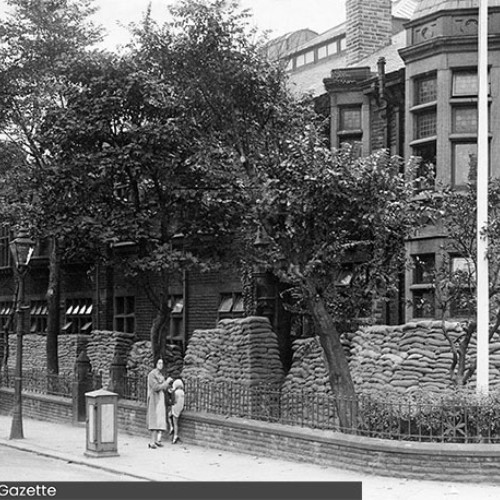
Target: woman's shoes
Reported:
[(175, 439), (152, 446), (157, 443)]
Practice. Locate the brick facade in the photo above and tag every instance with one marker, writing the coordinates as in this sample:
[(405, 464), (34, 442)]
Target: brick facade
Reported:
[(369, 27)]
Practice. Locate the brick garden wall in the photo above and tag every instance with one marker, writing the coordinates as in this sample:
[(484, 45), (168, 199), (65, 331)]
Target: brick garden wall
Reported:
[(457, 462)]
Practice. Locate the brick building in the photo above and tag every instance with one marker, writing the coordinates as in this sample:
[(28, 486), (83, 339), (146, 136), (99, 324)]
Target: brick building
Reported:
[(402, 75)]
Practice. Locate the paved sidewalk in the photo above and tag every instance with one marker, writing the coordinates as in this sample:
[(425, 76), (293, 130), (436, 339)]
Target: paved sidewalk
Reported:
[(188, 462)]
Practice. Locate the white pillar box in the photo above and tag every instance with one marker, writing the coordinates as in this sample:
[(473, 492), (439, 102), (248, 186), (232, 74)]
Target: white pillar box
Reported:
[(102, 423)]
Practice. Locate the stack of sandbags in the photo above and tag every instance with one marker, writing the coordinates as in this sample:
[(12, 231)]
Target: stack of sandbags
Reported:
[(140, 360), (174, 360), (102, 348), (202, 355), (251, 352), (308, 371)]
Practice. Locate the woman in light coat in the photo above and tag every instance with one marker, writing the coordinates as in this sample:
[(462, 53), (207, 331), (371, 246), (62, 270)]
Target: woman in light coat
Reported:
[(156, 412)]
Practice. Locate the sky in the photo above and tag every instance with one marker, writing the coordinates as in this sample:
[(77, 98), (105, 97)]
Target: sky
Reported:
[(277, 16)]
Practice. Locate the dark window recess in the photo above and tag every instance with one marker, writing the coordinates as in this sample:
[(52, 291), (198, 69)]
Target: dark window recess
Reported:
[(231, 306), (426, 153), (4, 246), (38, 316), (124, 317), (424, 270), (7, 310), (423, 303), (78, 316)]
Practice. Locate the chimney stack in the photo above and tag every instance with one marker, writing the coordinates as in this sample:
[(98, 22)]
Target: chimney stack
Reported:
[(369, 27)]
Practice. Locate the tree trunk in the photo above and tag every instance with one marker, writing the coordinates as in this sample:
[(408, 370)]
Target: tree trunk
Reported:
[(160, 327), (53, 298), (339, 374)]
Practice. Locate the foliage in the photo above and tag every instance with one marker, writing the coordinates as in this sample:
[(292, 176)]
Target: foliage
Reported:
[(455, 285), (454, 416)]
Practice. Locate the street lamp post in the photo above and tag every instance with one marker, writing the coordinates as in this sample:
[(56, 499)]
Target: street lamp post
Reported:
[(22, 250)]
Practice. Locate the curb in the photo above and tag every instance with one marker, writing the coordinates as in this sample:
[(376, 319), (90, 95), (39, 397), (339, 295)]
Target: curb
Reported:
[(71, 459)]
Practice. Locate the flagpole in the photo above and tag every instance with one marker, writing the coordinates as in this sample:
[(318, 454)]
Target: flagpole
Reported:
[(482, 206)]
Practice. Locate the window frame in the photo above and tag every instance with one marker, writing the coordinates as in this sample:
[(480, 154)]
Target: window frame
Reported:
[(125, 314)]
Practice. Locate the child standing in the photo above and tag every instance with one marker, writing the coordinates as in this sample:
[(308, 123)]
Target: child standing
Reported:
[(177, 396)]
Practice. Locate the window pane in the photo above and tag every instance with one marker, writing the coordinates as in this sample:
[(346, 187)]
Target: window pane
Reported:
[(332, 48), (238, 304), (226, 304), (426, 90), (130, 305), (300, 61), (350, 118), (120, 305), (465, 83), (343, 43), (424, 268), (309, 57), (426, 124), (423, 303), (465, 120), (464, 155), (322, 53), (427, 166)]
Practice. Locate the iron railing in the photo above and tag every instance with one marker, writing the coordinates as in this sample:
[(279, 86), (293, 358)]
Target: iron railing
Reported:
[(453, 419), (40, 382)]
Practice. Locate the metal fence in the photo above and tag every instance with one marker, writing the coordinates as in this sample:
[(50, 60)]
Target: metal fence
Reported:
[(40, 382), (455, 419)]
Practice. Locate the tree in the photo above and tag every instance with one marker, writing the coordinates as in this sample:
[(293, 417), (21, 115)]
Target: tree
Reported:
[(327, 213), (39, 38), (455, 279), (181, 122)]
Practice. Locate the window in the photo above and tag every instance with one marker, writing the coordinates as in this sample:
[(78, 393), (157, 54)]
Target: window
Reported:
[(38, 316), (4, 246), (343, 43), (465, 83), (464, 156), (423, 303), (427, 166), (322, 52), (176, 334), (7, 310), (300, 60), (78, 316), (426, 124), (350, 118), (465, 120), (422, 289), (124, 317), (464, 275), (309, 57), (426, 89), (350, 127), (332, 48), (231, 306), (424, 269)]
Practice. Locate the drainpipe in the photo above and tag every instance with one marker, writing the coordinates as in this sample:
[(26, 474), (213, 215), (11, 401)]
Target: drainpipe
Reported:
[(382, 99)]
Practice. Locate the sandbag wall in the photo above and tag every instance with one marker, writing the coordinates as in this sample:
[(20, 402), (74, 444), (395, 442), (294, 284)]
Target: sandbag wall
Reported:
[(140, 360), (35, 352), (404, 358), (226, 361), (102, 348)]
